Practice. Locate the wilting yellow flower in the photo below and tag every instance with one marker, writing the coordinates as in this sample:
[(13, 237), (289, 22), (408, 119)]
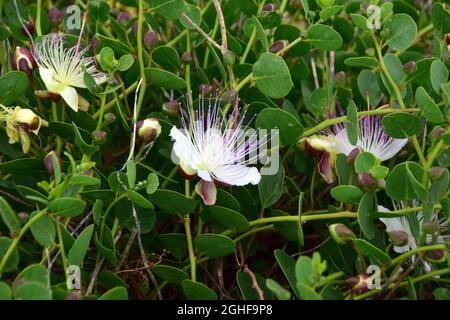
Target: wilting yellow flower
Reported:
[(63, 69), (18, 123)]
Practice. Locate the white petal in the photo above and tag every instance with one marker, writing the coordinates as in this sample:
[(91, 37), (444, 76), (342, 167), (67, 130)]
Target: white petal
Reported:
[(237, 174), (70, 96), (183, 150), (47, 77)]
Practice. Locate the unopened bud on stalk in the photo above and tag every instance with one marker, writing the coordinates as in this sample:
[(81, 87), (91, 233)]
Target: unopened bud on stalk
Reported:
[(229, 58), (366, 181), (55, 16), (109, 118), (149, 129), (23, 216), (352, 155), (186, 57), (296, 4), (48, 162), (23, 60), (409, 67), (358, 284), (123, 17), (341, 233), (370, 52), (29, 25), (171, 108), (134, 28), (150, 39), (435, 173), (277, 46), (99, 136), (430, 227), (399, 238), (268, 7), (436, 256)]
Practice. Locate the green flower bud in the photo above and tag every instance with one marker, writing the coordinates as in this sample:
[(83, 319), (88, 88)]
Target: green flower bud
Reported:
[(99, 136), (435, 173), (341, 233), (109, 118), (399, 238), (149, 129), (229, 58), (171, 108)]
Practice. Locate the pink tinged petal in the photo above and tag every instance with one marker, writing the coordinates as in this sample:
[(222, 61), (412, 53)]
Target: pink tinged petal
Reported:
[(207, 190), (325, 167), (237, 175), (70, 96)]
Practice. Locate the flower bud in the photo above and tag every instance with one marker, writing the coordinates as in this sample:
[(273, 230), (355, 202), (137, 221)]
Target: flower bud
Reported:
[(109, 118), (296, 4), (358, 284), (48, 162), (352, 155), (149, 129), (99, 136), (370, 52), (399, 238), (436, 256), (409, 67), (123, 17), (268, 7), (150, 39), (44, 94), (55, 16), (435, 173), (23, 60), (430, 227), (437, 132), (171, 108), (341, 233), (339, 79), (186, 57), (134, 28), (23, 216), (29, 25), (366, 181), (278, 46), (229, 58)]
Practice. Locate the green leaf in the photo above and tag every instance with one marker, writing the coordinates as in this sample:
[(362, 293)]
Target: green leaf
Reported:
[(84, 180), (370, 251), (280, 292), (261, 35), (117, 293), (365, 209), (360, 21), (152, 183), (330, 11), (439, 187), (379, 172), (401, 31), (106, 58), (438, 75), (172, 202), (164, 79), (107, 247), (43, 230), (440, 18), (169, 273), (272, 76), (214, 245), (401, 125), (364, 162), (32, 291), (13, 85), (197, 291), (110, 280), (9, 216), (86, 148), (194, 13), (368, 87), (324, 37), (247, 289), (175, 243), (139, 199), (287, 265), (169, 9), (32, 273), (271, 187), (5, 291), (67, 207), (419, 189), (398, 183), (430, 110), (227, 217), (131, 174), (346, 193), (125, 62), (352, 123), (80, 246), (289, 128), (167, 57), (365, 62), (13, 260)]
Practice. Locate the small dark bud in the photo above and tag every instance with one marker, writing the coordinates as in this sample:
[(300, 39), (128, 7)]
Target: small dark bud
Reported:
[(436, 256), (430, 227), (150, 39), (358, 284), (186, 57), (409, 66), (268, 7), (438, 132), (109, 118), (398, 237), (55, 16), (123, 17), (366, 181), (30, 27), (296, 4), (99, 136), (48, 162), (23, 216), (277, 46), (134, 28), (435, 173), (149, 129), (341, 233), (171, 108), (352, 155)]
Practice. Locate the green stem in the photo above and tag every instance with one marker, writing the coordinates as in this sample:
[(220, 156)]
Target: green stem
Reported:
[(18, 237), (243, 82), (253, 231), (330, 122), (412, 252), (102, 110), (123, 95), (38, 17), (250, 43), (188, 71), (140, 58), (61, 248), (187, 228)]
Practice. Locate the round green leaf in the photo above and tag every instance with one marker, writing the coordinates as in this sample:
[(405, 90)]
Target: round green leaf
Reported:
[(214, 245), (13, 260), (346, 193), (401, 125), (12, 86), (289, 128), (401, 31), (165, 79), (197, 291), (324, 37), (227, 218), (398, 183), (272, 76), (32, 291), (67, 207), (169, 273), (117, 293)]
